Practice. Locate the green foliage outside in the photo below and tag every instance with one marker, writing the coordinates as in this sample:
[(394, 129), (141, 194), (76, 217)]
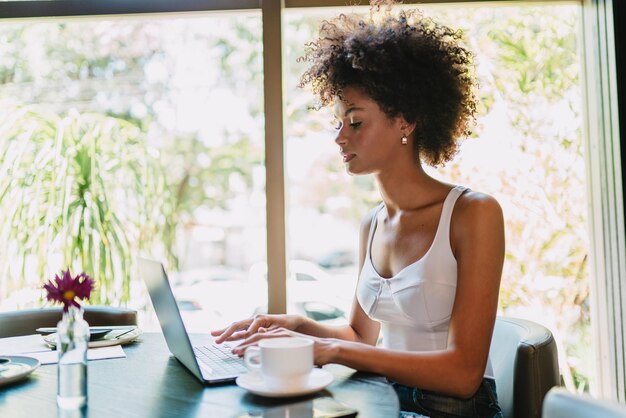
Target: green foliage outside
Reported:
[(75, 183), (78, 114)]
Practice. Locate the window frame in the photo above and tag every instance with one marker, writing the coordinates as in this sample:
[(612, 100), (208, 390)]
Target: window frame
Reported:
[(606, 199)]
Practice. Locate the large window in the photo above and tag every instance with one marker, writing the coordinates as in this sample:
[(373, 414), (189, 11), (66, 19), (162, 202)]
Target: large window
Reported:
[(134, 136), (154, 134)]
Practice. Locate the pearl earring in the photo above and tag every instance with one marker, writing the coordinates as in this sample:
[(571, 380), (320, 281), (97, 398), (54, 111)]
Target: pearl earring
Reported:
[(404, 140)]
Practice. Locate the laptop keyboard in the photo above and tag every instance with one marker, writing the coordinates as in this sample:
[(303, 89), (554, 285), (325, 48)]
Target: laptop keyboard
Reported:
[(219, 359)]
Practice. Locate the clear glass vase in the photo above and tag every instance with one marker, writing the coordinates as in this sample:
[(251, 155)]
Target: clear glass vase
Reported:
[(72, 339)]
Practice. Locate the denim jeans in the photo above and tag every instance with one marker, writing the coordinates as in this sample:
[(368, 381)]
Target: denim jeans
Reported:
[(422, 403)]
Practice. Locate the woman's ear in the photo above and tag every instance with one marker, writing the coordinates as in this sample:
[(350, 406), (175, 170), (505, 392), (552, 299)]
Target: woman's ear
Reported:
[(406, 127)]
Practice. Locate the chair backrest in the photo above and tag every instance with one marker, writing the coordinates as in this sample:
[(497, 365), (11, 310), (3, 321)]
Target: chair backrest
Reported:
[(524, 359), (25, 322), (559, 403)]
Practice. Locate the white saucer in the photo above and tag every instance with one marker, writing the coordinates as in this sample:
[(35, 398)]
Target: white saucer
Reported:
[(17, 368), (254, 383)]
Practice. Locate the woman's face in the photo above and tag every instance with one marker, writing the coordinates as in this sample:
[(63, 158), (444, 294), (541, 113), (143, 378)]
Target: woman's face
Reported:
[(369, 141)]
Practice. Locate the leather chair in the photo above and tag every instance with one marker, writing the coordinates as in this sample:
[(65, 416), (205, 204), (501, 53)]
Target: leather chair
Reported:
[(25, 322), (524, 359), (559, 403)]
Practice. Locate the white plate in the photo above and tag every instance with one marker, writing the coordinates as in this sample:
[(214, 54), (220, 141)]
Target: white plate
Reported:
[(115, 337), (18, 368), (254, 383)]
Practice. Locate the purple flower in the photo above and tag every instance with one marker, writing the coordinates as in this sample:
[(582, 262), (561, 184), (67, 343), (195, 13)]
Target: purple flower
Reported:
[(66, 289)]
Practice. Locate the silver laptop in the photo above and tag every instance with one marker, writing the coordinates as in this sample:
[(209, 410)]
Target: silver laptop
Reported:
[(209, 363)]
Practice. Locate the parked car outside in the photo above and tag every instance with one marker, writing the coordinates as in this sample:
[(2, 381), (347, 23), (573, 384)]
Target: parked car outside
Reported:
[(213, 297), (210, 273), (338, 259), (311, 290)]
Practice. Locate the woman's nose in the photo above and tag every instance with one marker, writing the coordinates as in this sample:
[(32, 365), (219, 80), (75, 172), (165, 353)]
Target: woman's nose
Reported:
[(340, 137)]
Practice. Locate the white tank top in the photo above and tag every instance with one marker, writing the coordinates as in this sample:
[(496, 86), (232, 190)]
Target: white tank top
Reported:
[(414, 306)]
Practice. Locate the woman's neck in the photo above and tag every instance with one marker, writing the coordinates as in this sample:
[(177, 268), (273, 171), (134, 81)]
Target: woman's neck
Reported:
[(406, 189)]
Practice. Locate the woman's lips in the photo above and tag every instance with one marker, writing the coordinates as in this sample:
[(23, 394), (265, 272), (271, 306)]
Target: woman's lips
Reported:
[(348, 157)]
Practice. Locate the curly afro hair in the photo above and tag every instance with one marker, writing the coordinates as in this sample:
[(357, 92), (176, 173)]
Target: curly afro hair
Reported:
[(410, 65)]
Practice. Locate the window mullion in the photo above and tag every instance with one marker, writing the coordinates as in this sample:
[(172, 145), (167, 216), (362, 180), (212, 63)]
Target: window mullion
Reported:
[(274, 156)]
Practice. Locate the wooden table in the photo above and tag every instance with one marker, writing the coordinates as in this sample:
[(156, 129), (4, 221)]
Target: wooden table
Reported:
[(151, 383)]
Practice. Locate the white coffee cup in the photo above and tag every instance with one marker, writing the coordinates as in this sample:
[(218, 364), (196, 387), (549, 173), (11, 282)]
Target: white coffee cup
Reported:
[(284, 362)]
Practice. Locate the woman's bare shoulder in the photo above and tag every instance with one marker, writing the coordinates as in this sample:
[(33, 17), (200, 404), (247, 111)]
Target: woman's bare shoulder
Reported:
[(477, 209), (477, 202), (477, 221)]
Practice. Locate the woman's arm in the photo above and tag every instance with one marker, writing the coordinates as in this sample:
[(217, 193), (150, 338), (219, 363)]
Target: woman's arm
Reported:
[(477, 239)]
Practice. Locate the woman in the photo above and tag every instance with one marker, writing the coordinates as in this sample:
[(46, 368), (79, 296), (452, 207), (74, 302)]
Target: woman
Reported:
[(431, 253)]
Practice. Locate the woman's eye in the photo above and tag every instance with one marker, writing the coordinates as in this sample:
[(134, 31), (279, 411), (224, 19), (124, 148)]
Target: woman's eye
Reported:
[(337, 124)]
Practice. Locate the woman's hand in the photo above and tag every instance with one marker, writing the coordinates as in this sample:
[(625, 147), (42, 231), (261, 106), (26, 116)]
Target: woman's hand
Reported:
[(257, 323), (324, 349)]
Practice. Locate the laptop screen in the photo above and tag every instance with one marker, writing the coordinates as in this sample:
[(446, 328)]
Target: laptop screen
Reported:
[(168, 313)]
